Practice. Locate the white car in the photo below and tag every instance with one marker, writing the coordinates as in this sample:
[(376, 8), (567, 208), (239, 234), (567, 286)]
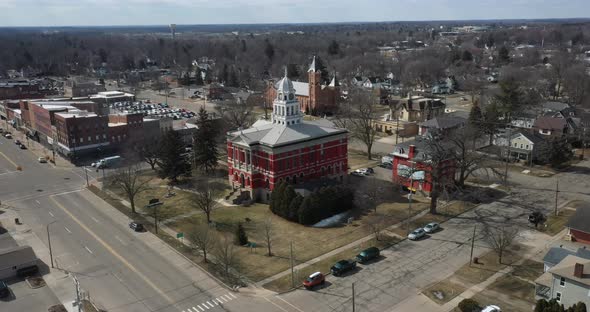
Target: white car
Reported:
[(431, 227), (8, 136), (42, 159), (417, 234), (491, 308)]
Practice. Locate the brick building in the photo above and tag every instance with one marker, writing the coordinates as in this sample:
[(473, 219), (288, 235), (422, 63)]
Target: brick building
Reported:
[(287, 148), (19, 89), (74, 88), (412, 168), (314, 96), (80, 133)]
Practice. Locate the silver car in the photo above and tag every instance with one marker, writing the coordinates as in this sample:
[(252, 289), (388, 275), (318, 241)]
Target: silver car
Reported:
[(431, 227), (417, 234)]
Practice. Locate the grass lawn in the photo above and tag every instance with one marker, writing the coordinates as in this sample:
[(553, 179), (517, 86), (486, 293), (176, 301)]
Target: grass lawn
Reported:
[(285, 283), (308, 242), (447, 289), (529, 270), (445, 213), (555, 224), (358, 159), (487, 266), (515, 288)]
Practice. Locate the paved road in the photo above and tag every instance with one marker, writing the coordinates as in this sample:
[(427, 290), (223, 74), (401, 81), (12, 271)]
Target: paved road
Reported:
[(407, 268), (122, 270)]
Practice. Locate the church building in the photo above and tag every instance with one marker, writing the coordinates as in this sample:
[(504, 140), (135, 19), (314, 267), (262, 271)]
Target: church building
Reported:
[(286, 148), (316, 96)]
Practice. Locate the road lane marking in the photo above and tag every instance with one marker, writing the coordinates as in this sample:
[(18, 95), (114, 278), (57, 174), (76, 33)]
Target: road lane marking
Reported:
[(209, 303), (64, 193), (68, 230), (232, 295), (88, 249), (199, 308), (9, 160), (296, 308), (51, 214), (95, 220), (276, 305), (120, 240), (109, 248), (206, 307), (214, 301), (38, 203), (228, 297), (224, 300)]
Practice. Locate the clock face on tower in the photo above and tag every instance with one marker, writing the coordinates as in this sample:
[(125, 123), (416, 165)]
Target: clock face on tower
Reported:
[(291, 96)]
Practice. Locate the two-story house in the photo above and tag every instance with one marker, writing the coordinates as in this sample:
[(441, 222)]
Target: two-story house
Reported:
[(525, 146), (568, 282), (441, 125), (552, 127), (419, 109)]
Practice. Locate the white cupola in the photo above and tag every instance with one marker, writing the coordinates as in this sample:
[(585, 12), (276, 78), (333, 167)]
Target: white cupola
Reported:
[(286, 109)]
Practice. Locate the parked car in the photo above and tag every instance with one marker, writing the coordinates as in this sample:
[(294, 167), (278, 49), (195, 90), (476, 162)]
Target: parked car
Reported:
[(367, 255), (4, 290), (431, 227), (42, 159), (342, 266), (386, 165), (313, 280), (417, 234), (357, 173), (364, 171), (8, 135), (17, 142), (136, 226), (491, 308), (23, 147)]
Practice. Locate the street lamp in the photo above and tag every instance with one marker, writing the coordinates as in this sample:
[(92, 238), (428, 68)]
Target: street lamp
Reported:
[(49, 242)]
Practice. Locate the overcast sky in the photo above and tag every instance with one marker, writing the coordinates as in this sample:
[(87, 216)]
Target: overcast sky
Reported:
[(159, 12)]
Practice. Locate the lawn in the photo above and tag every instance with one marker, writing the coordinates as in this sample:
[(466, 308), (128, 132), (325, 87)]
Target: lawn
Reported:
[(487, 266), (446, 289), (285, 283), (357, 159), (555, 224), (445, 213), (529, 270), (308, 242)]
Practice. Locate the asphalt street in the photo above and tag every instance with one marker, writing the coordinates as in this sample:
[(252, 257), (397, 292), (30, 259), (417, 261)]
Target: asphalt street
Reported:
[(121, 270)]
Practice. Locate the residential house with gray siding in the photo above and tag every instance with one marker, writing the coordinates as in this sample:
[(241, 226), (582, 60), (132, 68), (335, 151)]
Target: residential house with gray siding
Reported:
[(568, 282)]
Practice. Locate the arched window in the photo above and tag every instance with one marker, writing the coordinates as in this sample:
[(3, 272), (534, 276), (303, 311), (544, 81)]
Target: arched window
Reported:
[(287, 179)]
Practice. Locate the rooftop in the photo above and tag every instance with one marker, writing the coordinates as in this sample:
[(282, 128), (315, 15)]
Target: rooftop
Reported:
[(443, 122), (78, 114), (580, 221), (565, 268)]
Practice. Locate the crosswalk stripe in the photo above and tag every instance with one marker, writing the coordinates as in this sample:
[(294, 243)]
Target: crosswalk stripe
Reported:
[(200, 307), (209, 303), (206, 306), (214, 301), (226, 296), (224, 300), (232, 295), (189, 310)]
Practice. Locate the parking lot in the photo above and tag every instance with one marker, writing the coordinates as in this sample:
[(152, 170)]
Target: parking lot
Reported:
[(24, 298), (153, 110)]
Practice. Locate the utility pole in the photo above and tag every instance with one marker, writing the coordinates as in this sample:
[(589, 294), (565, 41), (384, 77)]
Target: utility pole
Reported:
[(156, 218), (49, 243), (410, 197), (556, 194), (396, 129), (472, 245), (353, 305), (292, 269), (86, 172), (583, 142), (508, 155)]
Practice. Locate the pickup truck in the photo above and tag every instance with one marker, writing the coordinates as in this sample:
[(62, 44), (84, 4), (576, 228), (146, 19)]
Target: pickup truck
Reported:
[(342, 266)]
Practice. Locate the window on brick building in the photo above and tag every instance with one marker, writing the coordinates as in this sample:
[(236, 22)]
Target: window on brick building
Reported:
[(81, 140)]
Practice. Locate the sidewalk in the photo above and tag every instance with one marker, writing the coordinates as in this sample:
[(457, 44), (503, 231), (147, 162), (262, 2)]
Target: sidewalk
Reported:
[(41, 151)]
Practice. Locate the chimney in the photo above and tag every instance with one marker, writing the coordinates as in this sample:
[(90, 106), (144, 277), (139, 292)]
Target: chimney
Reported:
[(578, 270), (411, 152)]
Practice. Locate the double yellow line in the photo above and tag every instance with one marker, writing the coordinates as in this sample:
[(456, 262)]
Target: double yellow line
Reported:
[(9, 160), (111, 250)]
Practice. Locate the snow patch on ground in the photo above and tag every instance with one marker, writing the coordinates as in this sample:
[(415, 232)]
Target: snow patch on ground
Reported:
[(332, 221)]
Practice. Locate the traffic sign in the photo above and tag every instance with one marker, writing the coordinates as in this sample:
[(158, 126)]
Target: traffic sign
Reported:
[(179, 235)]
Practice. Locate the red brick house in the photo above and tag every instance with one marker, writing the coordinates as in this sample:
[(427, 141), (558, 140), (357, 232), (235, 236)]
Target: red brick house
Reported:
[(412, 166), (579, 225), (287, 148), (314, 96)]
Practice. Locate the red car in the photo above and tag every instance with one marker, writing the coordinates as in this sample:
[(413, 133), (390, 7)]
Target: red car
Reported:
[(315, 279)]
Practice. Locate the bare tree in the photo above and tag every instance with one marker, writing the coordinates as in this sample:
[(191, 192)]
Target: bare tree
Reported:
[(369, 193), (357, 115), (440, 159), (224, 253), (500, 238), (149, 154), (236, 113), (267, 230), (202, 237), (577, 84), (467, 159), (206, 198), (377, 224), (130, 180)]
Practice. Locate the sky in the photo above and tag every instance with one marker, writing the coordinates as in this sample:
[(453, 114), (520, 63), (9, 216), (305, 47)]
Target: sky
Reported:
[(161, 12)]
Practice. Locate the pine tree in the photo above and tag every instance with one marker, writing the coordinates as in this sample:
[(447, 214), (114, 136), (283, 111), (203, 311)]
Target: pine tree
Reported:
[(171, 161), (205, 143), (276, 198), (241, 238)]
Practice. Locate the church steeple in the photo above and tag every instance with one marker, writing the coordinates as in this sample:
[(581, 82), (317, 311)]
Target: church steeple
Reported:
[(286, 110)]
